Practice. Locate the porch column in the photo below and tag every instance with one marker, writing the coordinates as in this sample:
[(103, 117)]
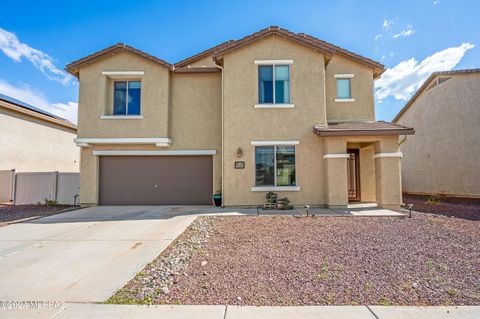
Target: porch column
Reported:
[(388, 180), (335, 157)]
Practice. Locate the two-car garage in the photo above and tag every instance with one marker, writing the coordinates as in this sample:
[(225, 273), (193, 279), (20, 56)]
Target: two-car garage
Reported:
[(155, 180)]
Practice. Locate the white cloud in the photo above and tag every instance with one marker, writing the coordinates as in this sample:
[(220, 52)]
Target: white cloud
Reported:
[(403, 80), (405, 33), (66, 110), (36, 98), (436, 2), (387, 24), (16, 50), (378, 36)]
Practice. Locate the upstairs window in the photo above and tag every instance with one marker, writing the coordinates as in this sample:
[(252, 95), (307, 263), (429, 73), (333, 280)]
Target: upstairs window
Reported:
[(274, 84), (126, 97), (343, 89)]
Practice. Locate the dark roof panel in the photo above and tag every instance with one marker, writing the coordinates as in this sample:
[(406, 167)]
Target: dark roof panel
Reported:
[(27, 106)]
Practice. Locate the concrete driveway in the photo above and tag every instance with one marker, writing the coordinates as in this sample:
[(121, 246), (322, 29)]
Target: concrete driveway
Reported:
[(84, 255)]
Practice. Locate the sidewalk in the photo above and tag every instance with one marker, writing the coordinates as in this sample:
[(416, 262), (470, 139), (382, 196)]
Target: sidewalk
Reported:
[(81, 310)]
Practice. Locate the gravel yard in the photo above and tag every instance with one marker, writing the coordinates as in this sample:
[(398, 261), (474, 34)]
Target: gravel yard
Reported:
[(15, 213), (273, 260), (467, 208)]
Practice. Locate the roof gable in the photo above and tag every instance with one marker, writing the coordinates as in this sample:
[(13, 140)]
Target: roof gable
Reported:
[(426, 84), (73, 68)]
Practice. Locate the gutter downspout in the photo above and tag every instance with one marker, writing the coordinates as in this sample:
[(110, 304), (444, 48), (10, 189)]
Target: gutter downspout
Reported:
[(223, 129), (403, 140)]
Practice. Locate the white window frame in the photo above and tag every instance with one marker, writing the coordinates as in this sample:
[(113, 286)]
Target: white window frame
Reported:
[(126, 115), (275, 187), (344, 77), (274, 105)]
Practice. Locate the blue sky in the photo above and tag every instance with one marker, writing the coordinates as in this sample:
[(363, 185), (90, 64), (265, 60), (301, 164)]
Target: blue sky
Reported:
[(412, 38)]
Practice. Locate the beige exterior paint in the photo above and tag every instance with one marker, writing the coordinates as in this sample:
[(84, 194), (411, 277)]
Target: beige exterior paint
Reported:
[(205, 62), (195, 117), (443, 156), (30, 144), (363, 109), (96, 99), (187, 108), (244, 123)]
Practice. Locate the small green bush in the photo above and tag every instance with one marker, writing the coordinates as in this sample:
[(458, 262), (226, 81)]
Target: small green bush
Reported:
[(431, 200), (50, 202)]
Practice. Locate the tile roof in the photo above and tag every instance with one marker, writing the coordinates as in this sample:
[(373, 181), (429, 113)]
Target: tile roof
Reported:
[(363, 128), (426, 83), (17, 105), (311, 41), (327, 48)]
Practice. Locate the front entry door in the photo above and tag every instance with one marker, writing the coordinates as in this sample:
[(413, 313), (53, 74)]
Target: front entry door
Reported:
[(353, 175)]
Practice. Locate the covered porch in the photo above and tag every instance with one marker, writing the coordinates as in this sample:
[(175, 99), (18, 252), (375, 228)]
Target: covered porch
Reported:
[(362, 163)]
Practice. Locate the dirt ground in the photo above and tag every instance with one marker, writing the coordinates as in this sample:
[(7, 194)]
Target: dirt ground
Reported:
[(466, 208), (15, 213)]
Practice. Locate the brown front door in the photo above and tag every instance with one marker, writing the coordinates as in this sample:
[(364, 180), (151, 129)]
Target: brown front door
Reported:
[(155, 180), (353, 175)]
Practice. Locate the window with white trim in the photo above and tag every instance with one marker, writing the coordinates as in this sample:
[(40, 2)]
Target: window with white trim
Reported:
[(275, 165), (274, 84), (343, 88), (126, 97)]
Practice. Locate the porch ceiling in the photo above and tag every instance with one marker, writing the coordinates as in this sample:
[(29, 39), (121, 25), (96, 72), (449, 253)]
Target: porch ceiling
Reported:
[(362, 129)]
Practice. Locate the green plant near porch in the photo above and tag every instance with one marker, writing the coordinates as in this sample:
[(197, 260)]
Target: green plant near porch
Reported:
[(271, 197), (284, 203)]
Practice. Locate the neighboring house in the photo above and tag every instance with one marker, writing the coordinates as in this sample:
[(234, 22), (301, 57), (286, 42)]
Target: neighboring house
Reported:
[(274, 111), (444, 155), (33, 140)]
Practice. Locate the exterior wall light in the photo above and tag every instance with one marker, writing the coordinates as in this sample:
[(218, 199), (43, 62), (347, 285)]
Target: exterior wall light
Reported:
[(239, 152)]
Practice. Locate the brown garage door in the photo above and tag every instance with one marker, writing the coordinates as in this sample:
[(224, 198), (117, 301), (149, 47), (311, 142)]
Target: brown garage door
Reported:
[(155, 180)]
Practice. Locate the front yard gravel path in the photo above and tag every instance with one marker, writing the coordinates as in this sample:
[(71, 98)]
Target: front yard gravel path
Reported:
[(278, 261)]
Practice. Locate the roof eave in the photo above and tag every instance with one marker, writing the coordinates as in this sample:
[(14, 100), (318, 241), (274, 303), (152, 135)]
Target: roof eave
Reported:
[(405, 131), (19, 109)]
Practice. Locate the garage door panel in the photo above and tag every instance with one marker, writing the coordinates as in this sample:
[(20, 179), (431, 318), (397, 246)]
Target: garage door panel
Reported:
[(155, 180)]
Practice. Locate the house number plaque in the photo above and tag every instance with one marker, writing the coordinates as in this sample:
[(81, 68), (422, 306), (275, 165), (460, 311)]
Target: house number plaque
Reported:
[(240, 165)]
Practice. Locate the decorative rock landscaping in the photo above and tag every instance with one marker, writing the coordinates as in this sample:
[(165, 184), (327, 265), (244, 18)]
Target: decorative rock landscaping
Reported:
[(273, 260)]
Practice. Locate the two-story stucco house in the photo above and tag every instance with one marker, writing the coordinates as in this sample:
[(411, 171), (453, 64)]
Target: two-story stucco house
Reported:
[(443, 158), (274, 111)]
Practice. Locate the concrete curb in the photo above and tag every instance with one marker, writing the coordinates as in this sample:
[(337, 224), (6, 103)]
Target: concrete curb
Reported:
[(91, 310)]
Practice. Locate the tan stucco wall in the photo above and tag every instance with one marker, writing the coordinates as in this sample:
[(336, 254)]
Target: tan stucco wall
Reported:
[(96, 99), (363, 109), (196, 113), (195, 117), (244, 123), (205, 62), (443, 155), (367, 173), (28, 144)]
